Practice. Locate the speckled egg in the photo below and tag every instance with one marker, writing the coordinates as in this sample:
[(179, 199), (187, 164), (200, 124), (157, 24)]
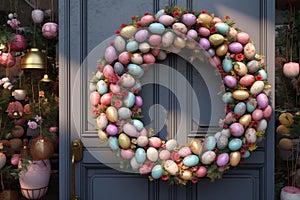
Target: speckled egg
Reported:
[(222, 159), (141, 35), (167, 39), (216, 39), (140, 155), (257, 87), (185, 151), (236, 129), (166, 20), (210, 143), (250, 135), (247, 80), (263, 124), (157, 171), (171, 167), (240, 68), (135, 70), (102, 121), (227, 97), (95, 98), (108, 71), (191, 160), (227, 64), (222, 28), (132, 46), (157, 28), (189, 19), (229, 118), (179, 28), (222, 142), (253, 66), (235, 47), (146, 20), (124, 113), (106, 99), (152, 154), (144, 47), (171, 144), (148, 58), (249, 51), (127, 81), (232, 33), (251, 105), (179, 42), (230, 81), (136, 58), (114, 88), (226, 132), (119, 68), (130, 130), (102, 87), (208, 157), (262, 100), (235, 144), (110, 54), (113, 143), (119, 43), (240, 108), (124, 58), (129, 100), (138, 124)]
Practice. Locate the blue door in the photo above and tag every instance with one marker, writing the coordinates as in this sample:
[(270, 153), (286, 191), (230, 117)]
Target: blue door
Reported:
[(84, 24)]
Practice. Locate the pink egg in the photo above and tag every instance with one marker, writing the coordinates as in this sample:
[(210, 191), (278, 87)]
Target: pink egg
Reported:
[(114, 88), (127, 153), (154, 40), (166, 20), (247, 80), (95, 98), (236, 129), (110, 54), (124, 58), (112, 129), (235, 47), (138, 101), (201, 172), (216, 60), (217, 20), (155, 51), (106, 99), (143, 132), (205, 32), (155, 142), (164, 154), (189, 19), (147, 19), (192, 34), (185, 151), (243, 38), (268, 111), (229, 118), (53, 129), (257, 114), (130, 130), (108, 71), (141, 35), (148, 58)]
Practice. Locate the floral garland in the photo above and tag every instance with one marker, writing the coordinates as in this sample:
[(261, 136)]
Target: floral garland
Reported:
[(116, 104)]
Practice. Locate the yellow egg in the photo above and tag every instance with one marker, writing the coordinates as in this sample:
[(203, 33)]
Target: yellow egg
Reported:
[(235, 158), (186, 175), (179, 42), (286, 119), (124, 141), (204, 19), (286, 144), (216, 39), (222, 50), (196, 146), (102, 135), (282, 130), (245, 120), (240, 95), (128, 31), (112, 114)]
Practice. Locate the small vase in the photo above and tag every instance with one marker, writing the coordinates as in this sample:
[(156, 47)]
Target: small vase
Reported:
[(290, 193), (37, 16)]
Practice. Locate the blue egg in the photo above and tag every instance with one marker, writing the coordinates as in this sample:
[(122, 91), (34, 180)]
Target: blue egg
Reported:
[(227, 97), (222, 28), (135, 70), (124, 113), (251, 105), (263, 73), (191, 160), (246, 154), (253, 66), (119, 68), (160, 13), (240, 108), (102, 87), (113, 143), (222, 142), (210, 143), (235, 144), (227, 64), (129, 100), (132, 46), (138, 124), (138, 85), (157, 28), (157, 171), (140, 155)]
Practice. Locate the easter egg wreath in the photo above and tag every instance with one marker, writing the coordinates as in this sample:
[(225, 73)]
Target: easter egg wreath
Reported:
[(116, 103)]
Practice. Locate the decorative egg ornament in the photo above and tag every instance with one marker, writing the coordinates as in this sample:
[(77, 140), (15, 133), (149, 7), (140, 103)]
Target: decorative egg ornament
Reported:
[(50, 30), (291, 69), (115, 95), (37, 16)]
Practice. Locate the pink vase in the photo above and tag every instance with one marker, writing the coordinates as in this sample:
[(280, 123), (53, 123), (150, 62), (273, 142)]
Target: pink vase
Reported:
[(290, 193), (49, 30), (34, 182), (37, 16)]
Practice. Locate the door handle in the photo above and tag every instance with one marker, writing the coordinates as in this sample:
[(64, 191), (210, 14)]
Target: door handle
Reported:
[(76, 156)]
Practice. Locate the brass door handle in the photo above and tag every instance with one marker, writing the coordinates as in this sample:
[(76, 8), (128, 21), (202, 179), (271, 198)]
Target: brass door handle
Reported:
[(76, 156)]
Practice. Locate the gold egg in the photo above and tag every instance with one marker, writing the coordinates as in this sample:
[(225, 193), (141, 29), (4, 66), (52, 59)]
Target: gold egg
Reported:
[(124, 141), (196, 146), (245, 120), (235, 158), (222, 50), (112, 114), (179, 42), (240, 95), (102, 135), (128, 31), (216, 39), (286, 144), (204, 19), (186, 175)]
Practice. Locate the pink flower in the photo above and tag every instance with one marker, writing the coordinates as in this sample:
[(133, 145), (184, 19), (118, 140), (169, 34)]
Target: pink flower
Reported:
[(118, 103), (175, 156), (114, 78), (239, 57), (195, 180), (15, 159), (14, 107), (14, 23), (32, 124), (41, 93), (146, 168)]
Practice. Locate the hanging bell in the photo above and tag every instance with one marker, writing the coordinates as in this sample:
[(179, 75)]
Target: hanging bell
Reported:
[(33, 59), (46, 79)]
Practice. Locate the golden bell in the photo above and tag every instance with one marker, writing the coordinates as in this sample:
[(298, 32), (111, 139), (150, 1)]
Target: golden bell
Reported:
[(33, 59), (46, 79)]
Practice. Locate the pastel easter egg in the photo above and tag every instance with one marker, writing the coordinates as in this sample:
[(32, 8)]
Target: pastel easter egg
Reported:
[(171, 167), (251, 105), (217, 20), (246, 154), (166, 20), (142, 141), (268, 111), (235, 158), (240, 108), (102, 87), (99, 75), (247, 80), (179, 42), (232, 33), (249, 51), (250, 135), (191, 160), (222, 159), (108, 71), (138, 124), (146, 20), (179, 28), (103, 136), (148, 58), (92, 87), (136, 58), (110, 54), (144, 47), (262, 100), (119, 68), (222, 142), (192, 34), (204, 32), (235, 47), (152, 154), (124, 58), (240, 95), (130, 130), (113, 143), (119, 43), (112, 129), (222, 28), (127, 153), (263, 73), (222, 50), (208, 157), (106, 99), (185, 151), (134, 164), (157, 28), (102, 121), (240, 68), (127, 81), (135, 70), (227, 64), (235, 144), (243, 38), (236, 129), (263, 124), (171, 144), (162, 55), (155, 142), (157, 171), (167, 39), (124, 141), (204, 19), (124, 113), (257, 87), (129, 100), (140, 155), (245, 120), (164, 155), (216, 39), (132, 46), (112, 114), (227, 97), (189, 19), (210, 143), (229, 118), (291, 69), (211, 52), (95, 98), (226, 132), (155, 40), (128, 31), (155, 51), (204, 43), (253, 66), (141, 35), (230, 81), (216, 60), (114, 88), (201, 172), (160, 13), (257, 114), (196, 147)]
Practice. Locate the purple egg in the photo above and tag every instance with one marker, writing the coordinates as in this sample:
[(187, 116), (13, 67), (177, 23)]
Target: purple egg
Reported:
[(262, 100), (235, 47), (111, 129), (236, 129), (230, 81), (110, 54), (211, 52), (189, 19), (141, 35), (192, 34), (222, 159), (204, 43), (138, 101)]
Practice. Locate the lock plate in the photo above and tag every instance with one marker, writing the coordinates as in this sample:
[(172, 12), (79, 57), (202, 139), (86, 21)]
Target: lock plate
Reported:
[(77, 150)]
